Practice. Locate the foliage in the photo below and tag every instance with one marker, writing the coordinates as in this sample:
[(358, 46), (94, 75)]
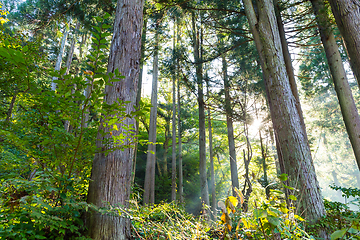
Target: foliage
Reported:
[(47, 138), (166, 221)]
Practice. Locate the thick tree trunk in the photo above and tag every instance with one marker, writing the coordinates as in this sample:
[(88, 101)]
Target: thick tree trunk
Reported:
[(347, 16), (230, 129), (347, 104), (111, 174), (201, 103), (288, 62), (149, 184), (293, 142)]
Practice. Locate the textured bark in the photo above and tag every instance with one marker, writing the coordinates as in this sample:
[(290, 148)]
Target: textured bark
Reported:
[(111, 173), (347, 17), (292, 140), (288, 62), (60, 55), (149, 184), (201, 103), (230, 130), (347, 104)]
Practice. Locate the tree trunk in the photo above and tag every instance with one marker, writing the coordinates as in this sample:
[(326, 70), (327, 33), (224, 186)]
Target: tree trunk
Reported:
[(173, 167), (230, 129), (201, 103), (292, 140), (347, 16), (72, 48), (181, 193), (347, 104), (212, 172), (61, 53), (149, 185), (11, 107), (138, 94), (111, 174)]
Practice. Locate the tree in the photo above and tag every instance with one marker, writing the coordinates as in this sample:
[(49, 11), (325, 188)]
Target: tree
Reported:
[(347, 16), (149, 185), (347, 104), (111, 172), (293, 142)]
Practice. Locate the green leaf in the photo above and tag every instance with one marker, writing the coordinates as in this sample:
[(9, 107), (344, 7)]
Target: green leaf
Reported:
[(338, 234), (283, 177), (292, 197), (106, 16), (273, 220)]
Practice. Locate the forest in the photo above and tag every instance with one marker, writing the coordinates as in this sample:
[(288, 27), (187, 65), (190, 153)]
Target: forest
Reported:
[(179, 119)]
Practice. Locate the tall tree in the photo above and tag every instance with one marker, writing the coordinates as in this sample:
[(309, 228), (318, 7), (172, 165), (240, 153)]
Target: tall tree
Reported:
[(230, 129), (293, 142), (173, 161), (347, 104), (347, 17), (111, 174), (197, 34), (149, 185)]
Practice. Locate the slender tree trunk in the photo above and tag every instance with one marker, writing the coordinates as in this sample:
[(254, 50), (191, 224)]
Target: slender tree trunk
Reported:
[(292, 140), (111, 174), (212, 172), (230, 129), (201, 103), (149, 185), (166, 146), (138, 94), (173, 160), (347, 104), (347, 16), (181, 192), (61, 53), (72, 48)]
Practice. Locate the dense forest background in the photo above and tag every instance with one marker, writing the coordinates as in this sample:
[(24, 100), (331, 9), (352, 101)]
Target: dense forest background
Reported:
[(190, 115)]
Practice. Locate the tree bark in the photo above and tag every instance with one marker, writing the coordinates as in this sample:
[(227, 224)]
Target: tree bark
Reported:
[(138, 94), (347, 104), (230, 129), (293, 142), (173, 161), (347, 17), (72, 48), (201, 103), (149, 185), (212, 172), (111, 174), (61, 53)]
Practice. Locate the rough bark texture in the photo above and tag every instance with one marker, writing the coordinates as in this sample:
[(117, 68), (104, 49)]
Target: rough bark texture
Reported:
[(347, 16), (293, 142), (201, 103), (347, 105), (230, 130), (111, 174), (149, 185)]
